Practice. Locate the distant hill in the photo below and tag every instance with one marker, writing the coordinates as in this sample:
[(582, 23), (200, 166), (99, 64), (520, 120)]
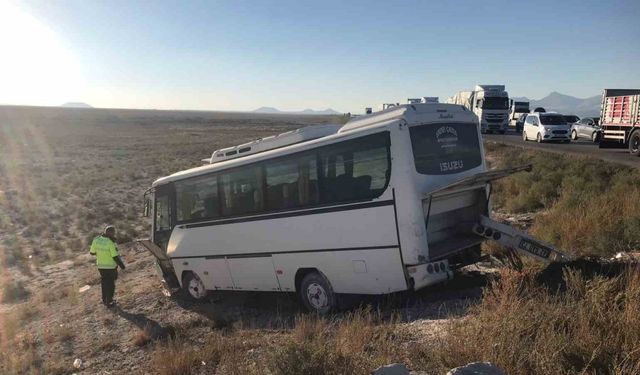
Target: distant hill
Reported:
[(76, 105), (307, 111), (566, 104)]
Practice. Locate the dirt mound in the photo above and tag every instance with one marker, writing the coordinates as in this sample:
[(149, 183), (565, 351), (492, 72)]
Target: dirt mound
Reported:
[(552, 276)]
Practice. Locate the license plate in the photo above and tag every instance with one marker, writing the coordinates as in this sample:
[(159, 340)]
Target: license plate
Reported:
[(534, 248)]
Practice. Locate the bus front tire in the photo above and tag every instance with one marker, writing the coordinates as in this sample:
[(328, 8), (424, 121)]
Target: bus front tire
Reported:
[(317, 294), (193, 288)]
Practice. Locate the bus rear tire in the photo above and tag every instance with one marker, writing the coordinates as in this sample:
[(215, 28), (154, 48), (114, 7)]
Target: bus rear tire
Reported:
[(193, 288), (317, 294), (634, 143)]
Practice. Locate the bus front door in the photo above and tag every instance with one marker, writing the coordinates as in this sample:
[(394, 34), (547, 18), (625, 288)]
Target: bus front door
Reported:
[(163, 219)]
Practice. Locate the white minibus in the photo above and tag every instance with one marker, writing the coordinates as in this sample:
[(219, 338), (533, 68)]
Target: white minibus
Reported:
[(374, 207)]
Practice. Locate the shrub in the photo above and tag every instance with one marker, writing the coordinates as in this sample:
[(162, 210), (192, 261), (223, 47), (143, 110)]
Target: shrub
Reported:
[(353, 344), (590, 207), (174, 358), (592, 327), (142, 336), (14, 291)]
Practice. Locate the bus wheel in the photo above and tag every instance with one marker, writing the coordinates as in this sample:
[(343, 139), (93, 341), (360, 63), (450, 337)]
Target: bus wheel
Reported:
[(317, 294), (193, 287), (634, 143)]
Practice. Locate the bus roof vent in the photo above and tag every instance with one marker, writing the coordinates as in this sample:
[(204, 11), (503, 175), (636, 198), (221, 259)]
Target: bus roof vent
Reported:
[(269, 143)]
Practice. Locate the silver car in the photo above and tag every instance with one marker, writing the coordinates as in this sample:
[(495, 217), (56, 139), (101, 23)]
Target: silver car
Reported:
[(587, 127)]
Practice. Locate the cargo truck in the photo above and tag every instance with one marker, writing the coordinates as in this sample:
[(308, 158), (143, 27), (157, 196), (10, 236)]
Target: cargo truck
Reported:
[(490, 103), (620, 119)]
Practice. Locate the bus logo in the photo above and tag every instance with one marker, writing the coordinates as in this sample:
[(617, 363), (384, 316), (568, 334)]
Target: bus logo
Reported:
[(447, 136)]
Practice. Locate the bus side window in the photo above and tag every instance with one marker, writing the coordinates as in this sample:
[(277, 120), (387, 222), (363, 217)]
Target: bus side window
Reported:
[(242, 189), (197, 198), (357, 169), (308, 183), (291, 182)]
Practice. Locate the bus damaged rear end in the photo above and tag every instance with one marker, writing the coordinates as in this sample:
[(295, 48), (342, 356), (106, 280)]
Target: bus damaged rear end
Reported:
[(436, 225)]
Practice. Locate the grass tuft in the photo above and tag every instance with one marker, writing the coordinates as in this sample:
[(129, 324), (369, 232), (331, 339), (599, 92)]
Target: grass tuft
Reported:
[(590, 328), (589, 207)]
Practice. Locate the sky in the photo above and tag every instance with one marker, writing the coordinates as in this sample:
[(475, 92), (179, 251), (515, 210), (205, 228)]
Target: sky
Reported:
[(292, 54)]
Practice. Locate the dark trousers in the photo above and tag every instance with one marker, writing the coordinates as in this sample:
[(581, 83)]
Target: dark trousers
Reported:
[(108, 281)]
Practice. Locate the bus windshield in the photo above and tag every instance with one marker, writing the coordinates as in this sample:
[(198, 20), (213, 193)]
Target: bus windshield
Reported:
[(445, 148)]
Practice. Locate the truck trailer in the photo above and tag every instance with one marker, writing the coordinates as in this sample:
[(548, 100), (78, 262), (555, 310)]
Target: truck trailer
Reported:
[(620, 119), (490, 103)]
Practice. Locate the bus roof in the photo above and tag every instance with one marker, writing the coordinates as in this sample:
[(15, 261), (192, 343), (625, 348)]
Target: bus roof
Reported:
[(411, 113)]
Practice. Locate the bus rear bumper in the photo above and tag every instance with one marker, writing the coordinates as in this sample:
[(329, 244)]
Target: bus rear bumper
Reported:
[(429, 273)]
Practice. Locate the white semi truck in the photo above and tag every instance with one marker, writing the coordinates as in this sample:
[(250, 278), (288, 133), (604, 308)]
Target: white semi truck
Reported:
[(490, 103)]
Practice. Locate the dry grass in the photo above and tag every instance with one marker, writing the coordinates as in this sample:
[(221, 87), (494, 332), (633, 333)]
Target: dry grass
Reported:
[(177, 357), (55, 164), (13, 291), (591, 328), (59, 333), (143, 336), (353, 344), (13, 322), (590, 207), (53, 200)]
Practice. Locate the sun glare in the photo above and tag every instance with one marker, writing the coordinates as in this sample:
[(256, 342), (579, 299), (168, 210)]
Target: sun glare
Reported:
[(35, 66)]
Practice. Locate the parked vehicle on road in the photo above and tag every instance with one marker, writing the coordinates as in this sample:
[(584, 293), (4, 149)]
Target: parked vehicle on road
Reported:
[(548, 126), (516, 110), (520, 122), (571, 119), (586, 128), (490, 103), (539, 109), (620, 120)]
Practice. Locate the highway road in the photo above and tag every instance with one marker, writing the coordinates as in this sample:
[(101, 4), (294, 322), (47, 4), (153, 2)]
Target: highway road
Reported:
[(581, 147)]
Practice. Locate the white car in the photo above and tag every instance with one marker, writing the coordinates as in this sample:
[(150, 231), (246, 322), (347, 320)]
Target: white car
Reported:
[(549, 126)]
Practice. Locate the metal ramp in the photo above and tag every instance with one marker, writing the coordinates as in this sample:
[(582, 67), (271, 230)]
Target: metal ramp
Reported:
[(518, 240)]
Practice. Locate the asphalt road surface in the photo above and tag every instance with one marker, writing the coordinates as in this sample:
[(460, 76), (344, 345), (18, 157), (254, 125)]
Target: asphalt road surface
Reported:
[(582, 147)]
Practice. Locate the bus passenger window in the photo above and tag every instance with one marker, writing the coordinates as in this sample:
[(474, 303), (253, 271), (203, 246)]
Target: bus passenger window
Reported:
[(357, 169), (242, 191), (291, 182), (197, 198)]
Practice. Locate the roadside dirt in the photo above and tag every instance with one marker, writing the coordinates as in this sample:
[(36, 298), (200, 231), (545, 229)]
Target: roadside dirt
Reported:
[(107, 340)]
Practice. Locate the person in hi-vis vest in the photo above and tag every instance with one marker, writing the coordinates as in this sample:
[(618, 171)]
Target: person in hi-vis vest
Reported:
[(107, 258)]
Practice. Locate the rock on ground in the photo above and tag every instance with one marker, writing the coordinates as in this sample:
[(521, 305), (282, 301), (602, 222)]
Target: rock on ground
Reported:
[(392, 369), (477, 368)]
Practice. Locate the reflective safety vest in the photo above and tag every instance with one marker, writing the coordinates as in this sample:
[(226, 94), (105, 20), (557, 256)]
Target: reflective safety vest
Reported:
[(104, 249)]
